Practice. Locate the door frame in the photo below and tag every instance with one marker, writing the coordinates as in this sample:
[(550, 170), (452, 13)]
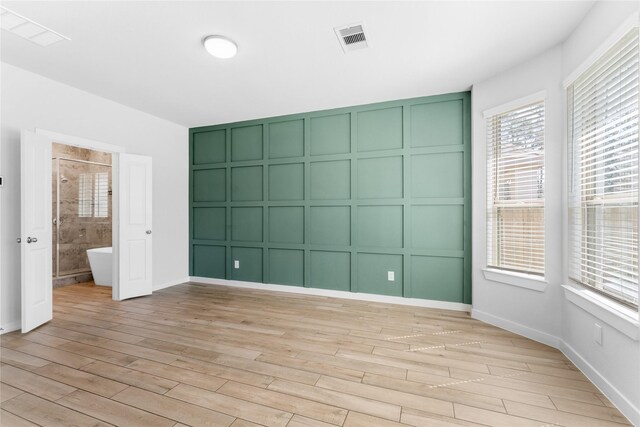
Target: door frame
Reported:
[(107, 148)]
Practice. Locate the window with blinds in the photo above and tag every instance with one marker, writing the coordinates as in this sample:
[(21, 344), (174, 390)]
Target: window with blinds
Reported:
[(93, 195), (85, 192), (101, 195), (515, 193), (603, 173)]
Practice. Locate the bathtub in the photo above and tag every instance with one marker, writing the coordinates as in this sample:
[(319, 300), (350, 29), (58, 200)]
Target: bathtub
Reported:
[(100, 262)]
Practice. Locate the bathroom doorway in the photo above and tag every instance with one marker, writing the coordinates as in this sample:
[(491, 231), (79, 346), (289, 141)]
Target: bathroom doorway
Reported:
[(82, 215), (130, 259)]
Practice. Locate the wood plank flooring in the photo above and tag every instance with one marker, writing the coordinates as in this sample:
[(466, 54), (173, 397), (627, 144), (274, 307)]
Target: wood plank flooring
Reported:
[(200, 355)]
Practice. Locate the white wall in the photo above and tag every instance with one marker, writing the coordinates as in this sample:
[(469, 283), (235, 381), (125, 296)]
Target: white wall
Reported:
[(613, 366), (548, 315), (537, 312), (31, 101)]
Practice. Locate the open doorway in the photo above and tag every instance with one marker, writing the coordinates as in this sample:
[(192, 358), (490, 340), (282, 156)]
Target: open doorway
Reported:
[(82, 216), (130, 264)]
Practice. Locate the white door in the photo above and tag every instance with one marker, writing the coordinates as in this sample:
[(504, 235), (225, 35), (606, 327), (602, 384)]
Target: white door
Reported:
[(35, 233), (133, 255)]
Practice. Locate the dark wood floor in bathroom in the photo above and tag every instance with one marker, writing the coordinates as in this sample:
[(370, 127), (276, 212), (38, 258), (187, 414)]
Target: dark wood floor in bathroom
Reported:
[(217, 356)]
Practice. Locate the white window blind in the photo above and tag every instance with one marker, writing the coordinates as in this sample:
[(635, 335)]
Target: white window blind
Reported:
[(93, 195), (515, 193), (101, 195), (85, 191), (603, 173)]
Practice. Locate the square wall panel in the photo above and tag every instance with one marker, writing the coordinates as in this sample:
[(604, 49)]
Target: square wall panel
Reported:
[(331, 135), (437, 175), (209, 185), (210, 147), (437, 227), (209, 261), (330, 225), (246, 183), (373, 272), (210, 223), (380, 178), (437, 123), (286, 267), (380, 226), (250, 264), (286, 224), (331, 270), (437, 278), (331, 180), (246, 224), (286, 182), (380, 129), (286, 139), (246, 143)]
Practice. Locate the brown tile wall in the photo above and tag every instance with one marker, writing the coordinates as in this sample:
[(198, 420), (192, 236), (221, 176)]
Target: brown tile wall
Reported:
[(76, 234)]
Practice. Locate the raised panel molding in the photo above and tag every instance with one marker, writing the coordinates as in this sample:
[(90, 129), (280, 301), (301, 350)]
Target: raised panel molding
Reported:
[(286, 139), (210, 147), (331, 134), (380, 129), (337, 199), (246, 143)]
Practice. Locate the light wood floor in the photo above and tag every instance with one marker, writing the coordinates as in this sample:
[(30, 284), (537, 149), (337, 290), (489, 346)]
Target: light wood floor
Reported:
[(217, 356)]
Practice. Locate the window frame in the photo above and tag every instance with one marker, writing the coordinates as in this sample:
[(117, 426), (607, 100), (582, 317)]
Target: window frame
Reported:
[(528, 280), (631, 24)]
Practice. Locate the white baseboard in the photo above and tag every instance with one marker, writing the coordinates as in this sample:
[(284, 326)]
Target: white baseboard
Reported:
[(171, 283), (10, 327), (516, 328), (337, 294), (631, 411), (625, 406)]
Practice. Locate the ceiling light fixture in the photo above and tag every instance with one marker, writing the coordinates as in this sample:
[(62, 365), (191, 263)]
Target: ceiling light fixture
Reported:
[(220, 46)]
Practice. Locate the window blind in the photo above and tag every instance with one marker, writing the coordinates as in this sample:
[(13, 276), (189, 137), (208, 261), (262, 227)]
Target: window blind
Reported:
[(85, 191), (101, 195), (515, 204), (603, 173)]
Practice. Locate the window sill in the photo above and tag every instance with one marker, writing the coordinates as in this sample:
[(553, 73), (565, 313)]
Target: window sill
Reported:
[(521, 280), (616, 315)]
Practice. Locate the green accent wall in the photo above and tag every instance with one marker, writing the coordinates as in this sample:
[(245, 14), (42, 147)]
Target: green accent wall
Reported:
[(336, 199)]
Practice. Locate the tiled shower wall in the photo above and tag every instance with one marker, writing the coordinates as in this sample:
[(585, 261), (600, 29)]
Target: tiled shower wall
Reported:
[(80, 225)]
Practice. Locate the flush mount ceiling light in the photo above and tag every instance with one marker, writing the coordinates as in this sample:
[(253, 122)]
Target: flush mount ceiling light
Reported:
[(220, 46)]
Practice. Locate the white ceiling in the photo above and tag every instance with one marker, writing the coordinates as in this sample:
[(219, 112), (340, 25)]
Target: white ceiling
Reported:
[(148, 55)]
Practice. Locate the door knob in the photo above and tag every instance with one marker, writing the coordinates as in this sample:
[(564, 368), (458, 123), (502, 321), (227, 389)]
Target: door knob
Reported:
[(32, 239), (148, 231), (18, 240)]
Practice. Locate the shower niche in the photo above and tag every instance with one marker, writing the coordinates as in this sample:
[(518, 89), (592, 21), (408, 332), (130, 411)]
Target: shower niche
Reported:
[(82, 210)]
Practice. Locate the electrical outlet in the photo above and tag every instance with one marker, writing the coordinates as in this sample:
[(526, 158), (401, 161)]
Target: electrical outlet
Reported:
[(236, 263), (597, 333), (391, 276)]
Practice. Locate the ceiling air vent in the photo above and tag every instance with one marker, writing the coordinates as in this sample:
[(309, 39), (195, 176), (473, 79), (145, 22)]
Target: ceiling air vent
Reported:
[(351, 37), (28, 29)]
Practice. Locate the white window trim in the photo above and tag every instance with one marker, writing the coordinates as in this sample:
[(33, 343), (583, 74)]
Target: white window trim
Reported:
[(618, 316), (594, 299), (532, 282), (522, 280), (631, 22), (516, 103)]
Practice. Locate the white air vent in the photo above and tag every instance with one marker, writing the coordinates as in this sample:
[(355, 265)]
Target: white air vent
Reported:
[(28, 29), (351, 37)]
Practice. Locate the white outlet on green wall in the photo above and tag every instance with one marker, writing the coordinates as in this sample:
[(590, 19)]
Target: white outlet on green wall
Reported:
[(391, 276)]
